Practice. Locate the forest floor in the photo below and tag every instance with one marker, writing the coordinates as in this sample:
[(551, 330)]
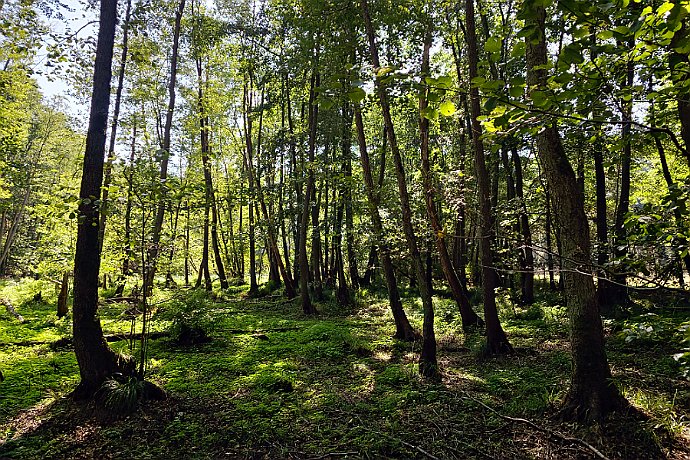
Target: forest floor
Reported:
[(272, 383)]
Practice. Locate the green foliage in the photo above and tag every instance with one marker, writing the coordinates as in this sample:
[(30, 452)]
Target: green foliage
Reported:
[(120, 397), (190, 318)]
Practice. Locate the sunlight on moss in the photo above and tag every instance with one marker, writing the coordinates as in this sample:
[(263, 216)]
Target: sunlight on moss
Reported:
[(663, 411), (382, 355)]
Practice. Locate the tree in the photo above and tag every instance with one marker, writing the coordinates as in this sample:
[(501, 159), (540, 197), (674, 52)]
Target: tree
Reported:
[(95, 358), (496, 340), (592, 394), (428, 365)]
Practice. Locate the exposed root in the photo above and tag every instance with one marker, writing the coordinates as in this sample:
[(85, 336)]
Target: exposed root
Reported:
[(533, 425)]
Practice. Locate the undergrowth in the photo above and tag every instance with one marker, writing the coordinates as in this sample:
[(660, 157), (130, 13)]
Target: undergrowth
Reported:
[(268, 381)]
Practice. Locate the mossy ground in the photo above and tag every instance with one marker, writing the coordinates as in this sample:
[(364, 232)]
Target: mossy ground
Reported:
[(273, 383)]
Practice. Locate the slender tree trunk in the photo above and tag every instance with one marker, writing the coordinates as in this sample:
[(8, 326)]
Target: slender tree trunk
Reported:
[(678, 64), (165, 152), (428, 365), (307, 305), (526, 252), (496, 340), (249, 166), (255, 181), (186, 247), (618, 292), (127, 237), (592, 393), (676, 212), (403, 329), (549, 245), (347, 197), (316, 251), (469, 317), (63, 297), (95, 358)]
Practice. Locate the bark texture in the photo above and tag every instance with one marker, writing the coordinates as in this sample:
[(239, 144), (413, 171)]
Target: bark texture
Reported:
[(95, 358), (592, 394)]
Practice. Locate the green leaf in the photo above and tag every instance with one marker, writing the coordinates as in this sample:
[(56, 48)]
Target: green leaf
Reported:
[(430, 113), (445, 82), (384, 71), (356, 95), (493, 45), (666, 7), (517, 91), (447, 108), (489, 126), (605, 35)]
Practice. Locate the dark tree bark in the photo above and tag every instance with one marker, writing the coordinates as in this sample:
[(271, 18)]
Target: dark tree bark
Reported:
[(617, 294), (63, 297), (127, 237), (316, 251), (108, 169), (209, 194), (526, 252), (403, 329), (347, 198), (469, 317), (592, 394), (249, 165), (307, 305), (679, 63), (95, 358), (428, 365), (496, 340), (255, 180)]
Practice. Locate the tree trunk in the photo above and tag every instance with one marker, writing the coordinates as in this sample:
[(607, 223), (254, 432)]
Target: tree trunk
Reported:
[(469, 317), (403, 329), (428, 365), (95, 358), (592, 394), (307, 305), (526, 252), (165, 152), (496, 340), (617, 295), (347, 197), (63, 297), (108, 171)]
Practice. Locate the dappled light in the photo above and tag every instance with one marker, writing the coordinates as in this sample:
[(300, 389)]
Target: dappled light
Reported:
[(320, 230)]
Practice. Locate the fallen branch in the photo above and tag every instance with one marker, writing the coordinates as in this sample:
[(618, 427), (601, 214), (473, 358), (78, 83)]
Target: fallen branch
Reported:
[(67, 341), (260, 331), (11, 310), (121, 299), (555, 434)]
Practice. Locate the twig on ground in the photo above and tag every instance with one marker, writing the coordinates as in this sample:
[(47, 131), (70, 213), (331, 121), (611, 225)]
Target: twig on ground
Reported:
[(555, 434), (333, 454), (406, 444)]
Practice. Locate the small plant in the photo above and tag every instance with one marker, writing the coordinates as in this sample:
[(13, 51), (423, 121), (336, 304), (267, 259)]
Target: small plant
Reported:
[(191, 321), (683, 358), (120, 396)]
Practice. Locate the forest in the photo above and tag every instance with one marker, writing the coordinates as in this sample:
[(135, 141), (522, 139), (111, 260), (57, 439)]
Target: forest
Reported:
[(325, 229)]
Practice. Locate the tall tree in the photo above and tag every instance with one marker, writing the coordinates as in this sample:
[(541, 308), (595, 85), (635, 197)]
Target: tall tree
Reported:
[(95, 358), (496, 340), (428, 365), (154, 248), (592, 394)]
